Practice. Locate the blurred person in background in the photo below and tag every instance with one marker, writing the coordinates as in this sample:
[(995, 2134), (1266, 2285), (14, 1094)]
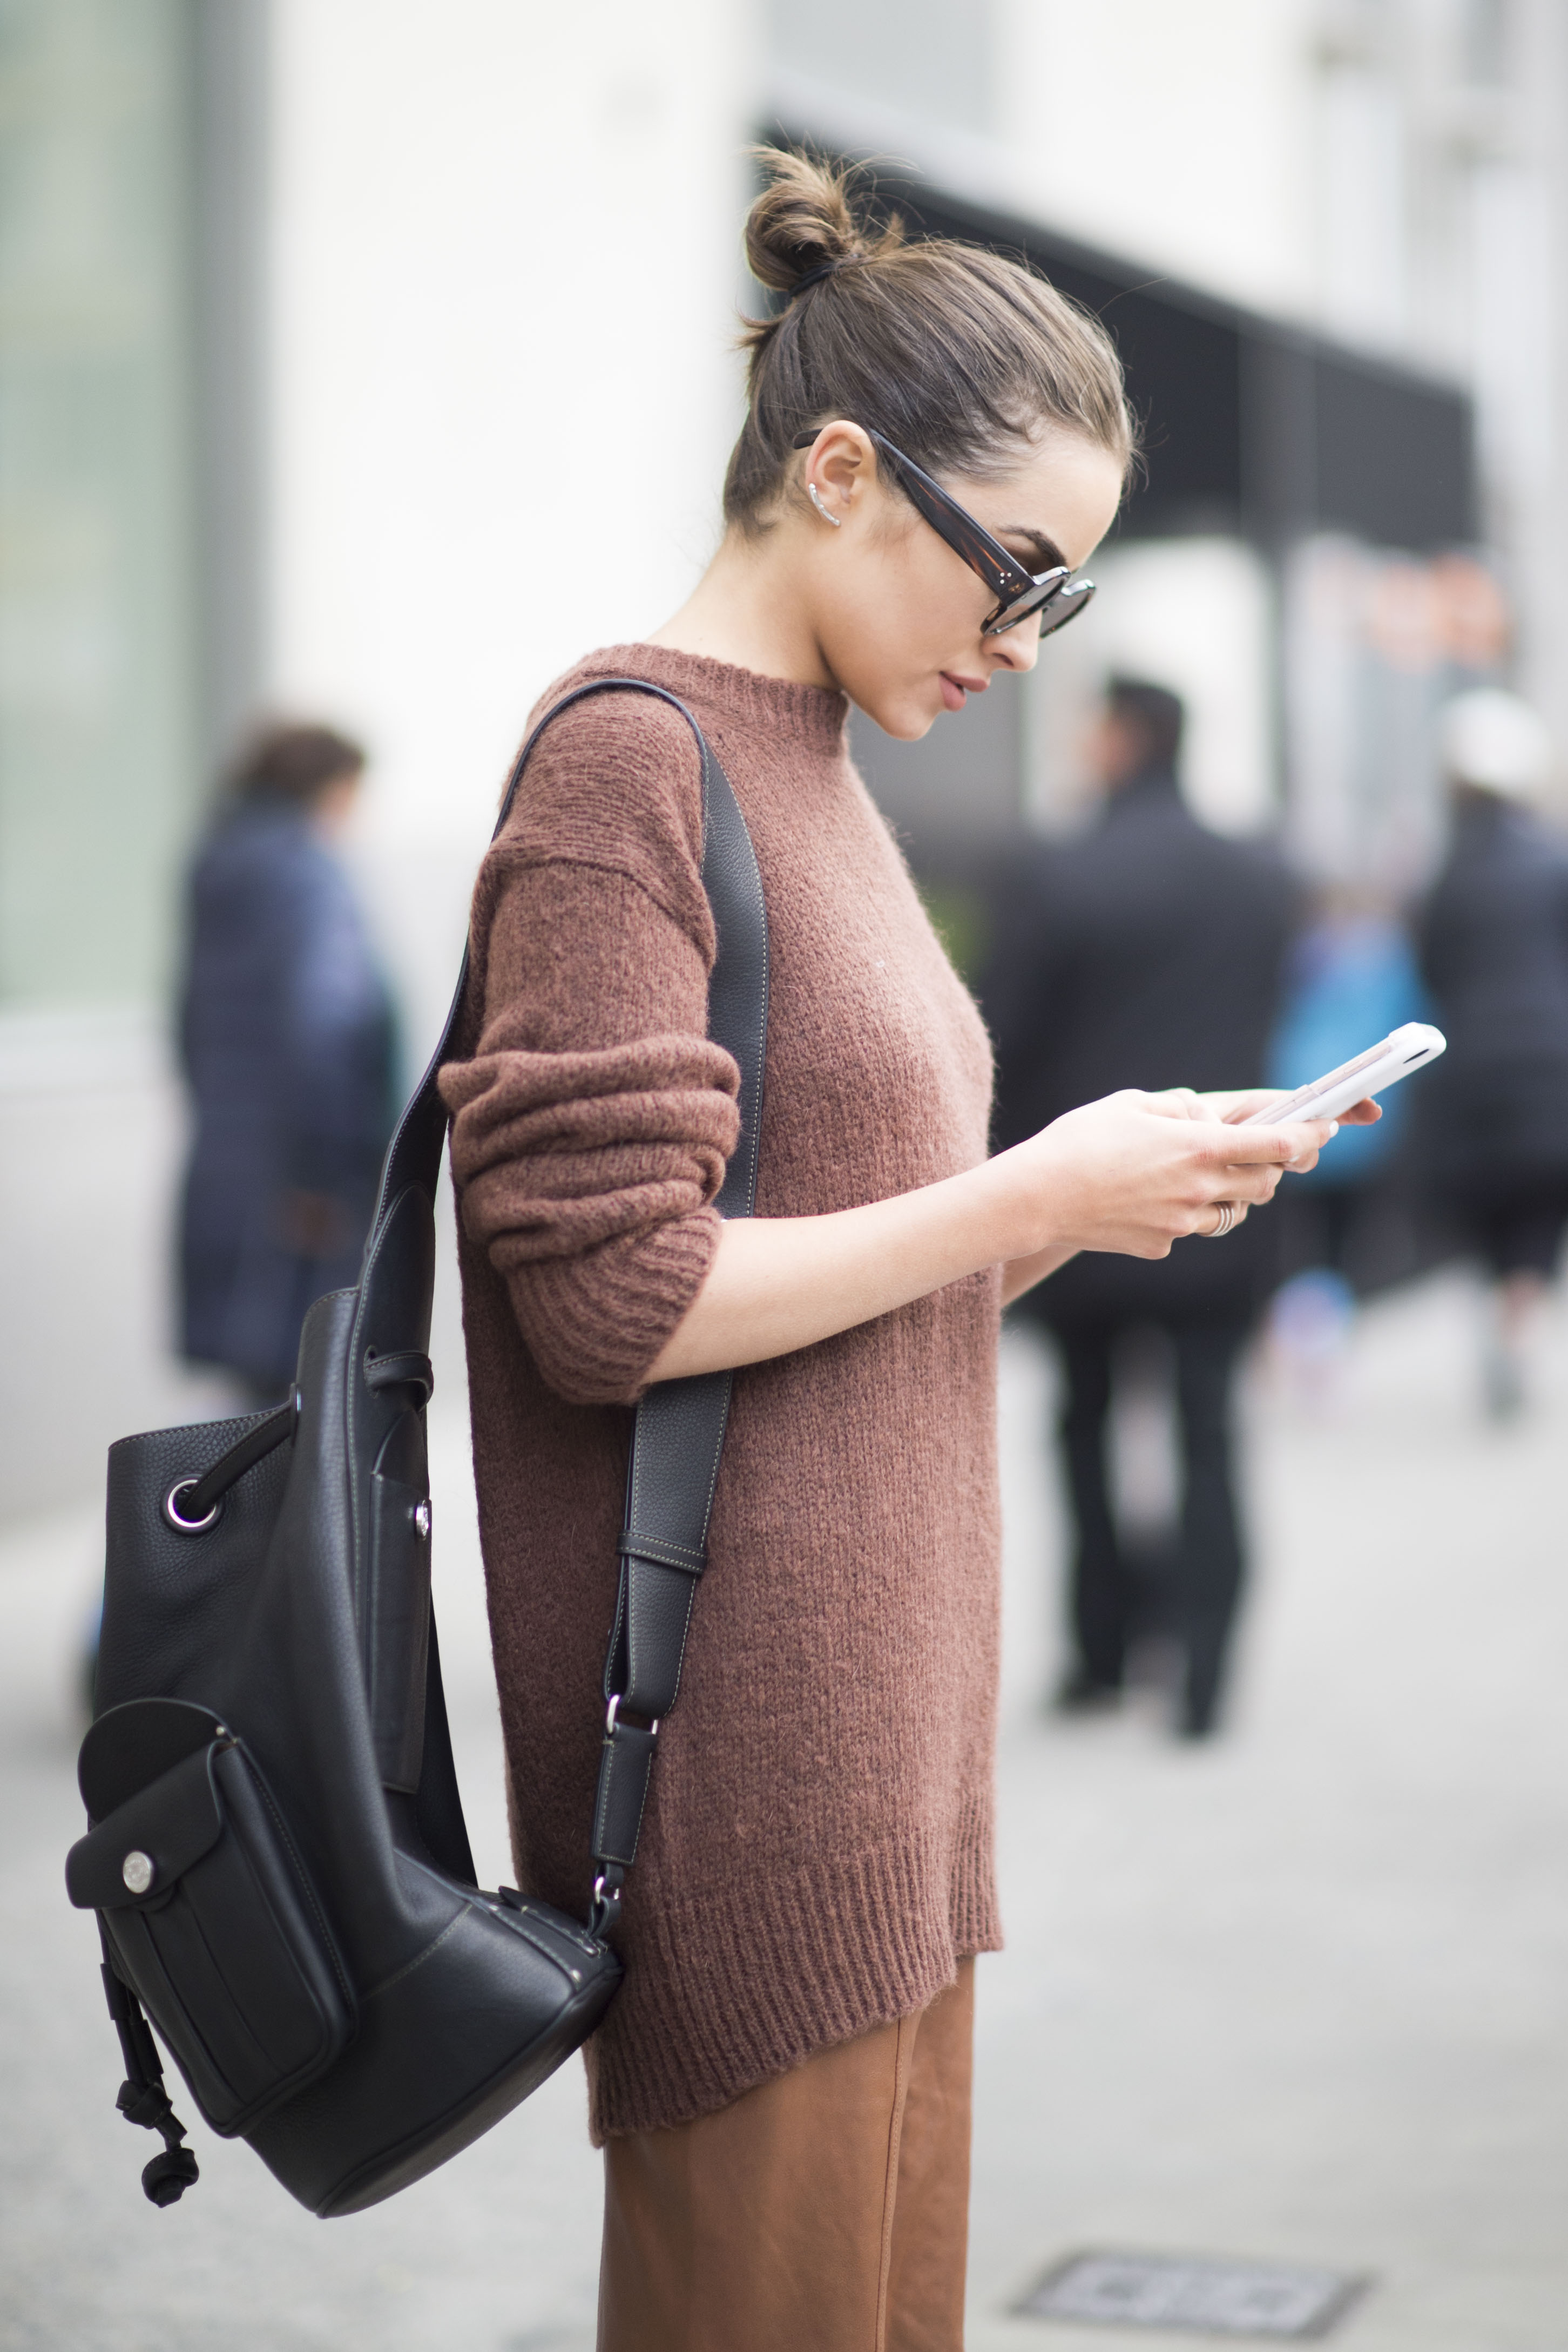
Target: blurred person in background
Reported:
[(1493, 940), (1150, 954), (1350, 979), (287, 1034)]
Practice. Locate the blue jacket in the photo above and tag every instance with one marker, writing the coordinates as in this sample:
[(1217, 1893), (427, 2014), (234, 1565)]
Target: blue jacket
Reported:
[(1349, 982), (287, 1040)]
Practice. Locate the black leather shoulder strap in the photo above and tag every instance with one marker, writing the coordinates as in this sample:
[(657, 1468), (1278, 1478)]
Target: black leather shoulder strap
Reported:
[(679, 1429), (678, 1433)]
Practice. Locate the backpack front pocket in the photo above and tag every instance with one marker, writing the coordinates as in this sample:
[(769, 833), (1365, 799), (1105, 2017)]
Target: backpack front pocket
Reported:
[(211, 1919)]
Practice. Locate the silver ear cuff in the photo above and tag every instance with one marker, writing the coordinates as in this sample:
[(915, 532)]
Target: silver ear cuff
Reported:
[(814, 495)]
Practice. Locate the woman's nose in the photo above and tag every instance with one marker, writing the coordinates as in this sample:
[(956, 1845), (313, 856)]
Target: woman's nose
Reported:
[(1018, 647)]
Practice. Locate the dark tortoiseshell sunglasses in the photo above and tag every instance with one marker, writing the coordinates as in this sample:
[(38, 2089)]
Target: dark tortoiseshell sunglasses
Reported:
[(1055, 596)]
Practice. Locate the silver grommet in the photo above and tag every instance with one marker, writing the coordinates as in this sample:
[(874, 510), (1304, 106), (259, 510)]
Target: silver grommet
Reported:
[(184, 1527), (422, 1520), (137, 1871)]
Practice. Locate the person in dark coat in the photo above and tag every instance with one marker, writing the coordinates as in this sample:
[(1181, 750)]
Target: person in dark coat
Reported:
[(287, 1034), (1493, 941), (1149, 953)]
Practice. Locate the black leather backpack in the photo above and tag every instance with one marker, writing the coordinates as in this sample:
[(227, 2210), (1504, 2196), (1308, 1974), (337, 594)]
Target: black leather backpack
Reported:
[(276, 1850)]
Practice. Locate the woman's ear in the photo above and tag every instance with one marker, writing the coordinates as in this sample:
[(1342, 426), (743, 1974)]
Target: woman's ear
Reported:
[(839, 464)]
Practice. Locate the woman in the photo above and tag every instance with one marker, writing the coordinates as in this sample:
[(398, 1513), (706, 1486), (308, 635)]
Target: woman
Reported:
[(782, 2087)]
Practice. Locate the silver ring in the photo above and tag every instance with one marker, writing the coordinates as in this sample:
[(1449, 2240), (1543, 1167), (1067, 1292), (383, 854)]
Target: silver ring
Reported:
[(1229, 1215), (184, 1527)]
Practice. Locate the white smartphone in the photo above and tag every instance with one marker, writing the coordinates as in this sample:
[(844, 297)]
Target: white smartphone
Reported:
[(1371, 1072)]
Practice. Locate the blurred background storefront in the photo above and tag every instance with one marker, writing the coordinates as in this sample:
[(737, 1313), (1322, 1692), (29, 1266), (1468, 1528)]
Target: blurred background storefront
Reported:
[(372, 361)]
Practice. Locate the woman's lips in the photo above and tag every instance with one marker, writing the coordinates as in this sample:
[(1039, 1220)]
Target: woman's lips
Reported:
[(954, 689)]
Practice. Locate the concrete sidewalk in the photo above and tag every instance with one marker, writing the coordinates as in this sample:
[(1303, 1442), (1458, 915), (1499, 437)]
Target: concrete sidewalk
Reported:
[(1305, 1995), (1302, 1995)]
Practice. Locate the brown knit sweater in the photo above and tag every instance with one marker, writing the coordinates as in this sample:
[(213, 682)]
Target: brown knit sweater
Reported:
[(817, 1854)]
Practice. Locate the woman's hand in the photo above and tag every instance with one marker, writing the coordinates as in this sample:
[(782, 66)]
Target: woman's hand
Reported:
[(1135, 1172)]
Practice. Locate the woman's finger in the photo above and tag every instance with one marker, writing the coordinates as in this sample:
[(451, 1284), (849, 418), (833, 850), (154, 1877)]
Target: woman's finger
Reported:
[(1234, 1106), (1255, 1185), (1278, 1147), (1177, 1102)]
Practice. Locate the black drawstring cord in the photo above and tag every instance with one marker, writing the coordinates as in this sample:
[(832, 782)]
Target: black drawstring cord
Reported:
[(143, 2097), (204, 1495)]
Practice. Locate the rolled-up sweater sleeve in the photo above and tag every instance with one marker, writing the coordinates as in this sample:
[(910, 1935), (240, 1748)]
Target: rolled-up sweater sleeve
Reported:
[(592, 1117)]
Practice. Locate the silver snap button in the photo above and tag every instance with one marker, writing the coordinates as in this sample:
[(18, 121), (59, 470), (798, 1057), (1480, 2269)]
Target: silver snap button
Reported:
[(137, 1871), (422, 1521)]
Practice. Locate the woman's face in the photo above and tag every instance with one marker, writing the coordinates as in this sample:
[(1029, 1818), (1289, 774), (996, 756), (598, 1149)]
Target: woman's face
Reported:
[(897, 615)]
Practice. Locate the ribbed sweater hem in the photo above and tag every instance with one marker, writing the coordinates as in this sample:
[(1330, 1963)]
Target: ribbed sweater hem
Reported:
[(850, 1942)]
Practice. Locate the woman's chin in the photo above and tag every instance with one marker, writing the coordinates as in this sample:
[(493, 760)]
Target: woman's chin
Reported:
[(904, 716)]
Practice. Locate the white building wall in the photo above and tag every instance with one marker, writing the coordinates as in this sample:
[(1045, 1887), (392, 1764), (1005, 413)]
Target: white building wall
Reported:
[(1183, 135), (1518, 232), (504, 261)]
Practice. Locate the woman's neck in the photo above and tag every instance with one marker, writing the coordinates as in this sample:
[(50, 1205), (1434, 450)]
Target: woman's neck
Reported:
[(747, 610)]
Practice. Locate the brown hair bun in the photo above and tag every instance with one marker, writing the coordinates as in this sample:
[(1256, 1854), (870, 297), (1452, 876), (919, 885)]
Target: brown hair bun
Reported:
[(804, 218)]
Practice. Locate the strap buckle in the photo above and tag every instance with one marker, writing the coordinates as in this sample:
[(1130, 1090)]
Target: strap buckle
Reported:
[(612, 1711)]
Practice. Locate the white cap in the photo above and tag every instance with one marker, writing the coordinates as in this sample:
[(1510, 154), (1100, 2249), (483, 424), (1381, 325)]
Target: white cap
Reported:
[(1496, 742)]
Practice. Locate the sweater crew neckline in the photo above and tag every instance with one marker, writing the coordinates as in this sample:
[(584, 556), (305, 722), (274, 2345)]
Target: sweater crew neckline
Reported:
[(813, 716)]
